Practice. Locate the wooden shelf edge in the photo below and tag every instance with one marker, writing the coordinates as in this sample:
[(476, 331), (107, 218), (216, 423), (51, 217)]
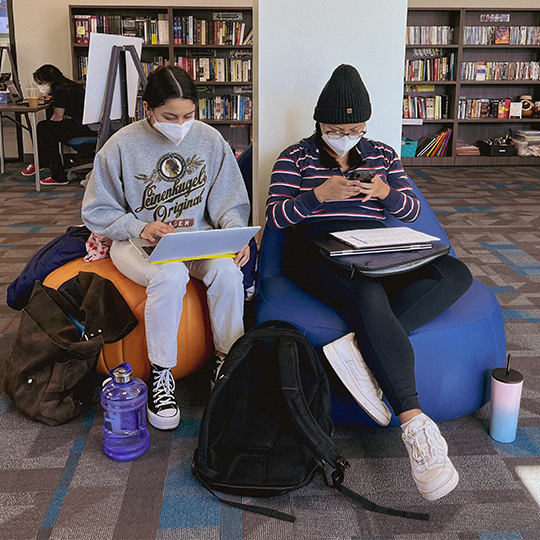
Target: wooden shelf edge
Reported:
[(223, 83), (427, 161), (521, 82), (470, 161), (415, 83), (428, 121), (496, 161), (227, 122), (431, 46), (498, 120)]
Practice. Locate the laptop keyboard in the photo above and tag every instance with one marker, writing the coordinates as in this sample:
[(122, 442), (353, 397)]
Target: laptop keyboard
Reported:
[(148, 249)]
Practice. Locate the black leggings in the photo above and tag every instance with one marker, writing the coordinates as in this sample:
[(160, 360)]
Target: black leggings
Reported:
[(382, 311), (51, 133)]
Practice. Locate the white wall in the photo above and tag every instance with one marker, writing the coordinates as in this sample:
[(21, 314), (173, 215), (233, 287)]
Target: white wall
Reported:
[(297, 47)]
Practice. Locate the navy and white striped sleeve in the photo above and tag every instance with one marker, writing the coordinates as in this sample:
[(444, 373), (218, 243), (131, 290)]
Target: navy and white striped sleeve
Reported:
[(402, 202), (287, 202)]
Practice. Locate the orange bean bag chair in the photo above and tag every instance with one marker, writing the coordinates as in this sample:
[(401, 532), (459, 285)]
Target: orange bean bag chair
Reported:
[(195, 343)]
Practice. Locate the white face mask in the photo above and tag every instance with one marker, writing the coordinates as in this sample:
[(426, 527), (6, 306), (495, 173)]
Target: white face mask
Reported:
[(340, 146), (174, 132), (44, 88)]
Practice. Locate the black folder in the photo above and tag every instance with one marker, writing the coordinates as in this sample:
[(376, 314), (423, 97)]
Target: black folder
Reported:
[(380, 264)]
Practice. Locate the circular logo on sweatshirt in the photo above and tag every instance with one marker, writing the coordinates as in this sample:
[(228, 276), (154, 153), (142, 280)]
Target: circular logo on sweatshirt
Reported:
[(171, 167)]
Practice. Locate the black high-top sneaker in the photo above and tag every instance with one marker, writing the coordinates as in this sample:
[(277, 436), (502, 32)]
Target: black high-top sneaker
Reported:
[(162, 410), (218, 363)]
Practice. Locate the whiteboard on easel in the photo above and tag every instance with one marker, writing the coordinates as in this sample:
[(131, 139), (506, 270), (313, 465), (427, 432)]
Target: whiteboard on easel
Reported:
[(99, 57)]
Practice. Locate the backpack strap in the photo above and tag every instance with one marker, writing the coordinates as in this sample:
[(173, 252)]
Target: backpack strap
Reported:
[(313, 434), (274, 324), (299, 413), (270, 512), (337, 479)]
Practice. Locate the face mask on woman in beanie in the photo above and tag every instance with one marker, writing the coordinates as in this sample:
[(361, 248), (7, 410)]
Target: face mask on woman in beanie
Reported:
[(342, 138)]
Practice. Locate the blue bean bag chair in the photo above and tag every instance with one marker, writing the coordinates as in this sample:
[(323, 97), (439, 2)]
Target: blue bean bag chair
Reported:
[(454, 353)]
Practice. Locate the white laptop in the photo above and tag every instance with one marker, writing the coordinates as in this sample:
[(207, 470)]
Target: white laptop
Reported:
[(189, 245)]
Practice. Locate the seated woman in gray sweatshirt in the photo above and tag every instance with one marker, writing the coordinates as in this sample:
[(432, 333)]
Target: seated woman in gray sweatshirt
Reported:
[(166, 173)]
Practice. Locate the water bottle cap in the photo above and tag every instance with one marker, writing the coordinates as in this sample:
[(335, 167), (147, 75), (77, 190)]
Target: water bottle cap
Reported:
[(122, 374), (510, 377)]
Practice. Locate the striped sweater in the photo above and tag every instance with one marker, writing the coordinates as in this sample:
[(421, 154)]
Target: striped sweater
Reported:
[(298, 171)]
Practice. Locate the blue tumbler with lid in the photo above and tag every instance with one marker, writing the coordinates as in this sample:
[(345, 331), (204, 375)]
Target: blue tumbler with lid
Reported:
[(123, 399)]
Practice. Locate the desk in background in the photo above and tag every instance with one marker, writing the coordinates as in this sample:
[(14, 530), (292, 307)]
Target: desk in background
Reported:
[(31, 127)]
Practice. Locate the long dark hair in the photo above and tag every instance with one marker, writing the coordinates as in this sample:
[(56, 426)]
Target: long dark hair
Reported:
[(169, 82), (52, 75), (327, 160)]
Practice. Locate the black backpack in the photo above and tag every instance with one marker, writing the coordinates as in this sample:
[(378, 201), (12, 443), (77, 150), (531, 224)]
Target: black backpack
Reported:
[(267, 426)]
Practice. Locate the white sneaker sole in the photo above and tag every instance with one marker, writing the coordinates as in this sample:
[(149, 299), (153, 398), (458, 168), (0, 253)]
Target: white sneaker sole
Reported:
[(442, 490), (163, 422), (347, 371)]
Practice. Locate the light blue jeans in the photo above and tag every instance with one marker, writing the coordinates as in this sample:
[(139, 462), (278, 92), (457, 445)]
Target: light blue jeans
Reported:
[(165, 289)]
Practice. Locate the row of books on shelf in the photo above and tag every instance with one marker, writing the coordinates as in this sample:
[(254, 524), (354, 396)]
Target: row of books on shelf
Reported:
[(501, 35), (188, 30), (434, 145), (426, 107), (429, 35), (469, 108), (500, 71), (200, 69), (157, 61), (148, 67), (217, 69), (427, 51), (430, 69), (153, 31), (228, 107)]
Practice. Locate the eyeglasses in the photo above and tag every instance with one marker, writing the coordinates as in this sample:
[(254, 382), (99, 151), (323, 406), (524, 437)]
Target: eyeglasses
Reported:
[(353, 135)]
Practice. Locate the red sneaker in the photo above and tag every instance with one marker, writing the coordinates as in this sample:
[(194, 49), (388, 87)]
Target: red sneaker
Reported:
[(52, 182), (29, 171)]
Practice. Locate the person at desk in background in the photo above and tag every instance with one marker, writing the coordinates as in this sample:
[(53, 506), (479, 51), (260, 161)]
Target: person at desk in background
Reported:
[(67, 98), (311, 192), (169, 171)]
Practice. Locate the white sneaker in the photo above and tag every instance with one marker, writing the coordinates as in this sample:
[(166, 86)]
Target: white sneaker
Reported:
[(346, 360), (432, 470)]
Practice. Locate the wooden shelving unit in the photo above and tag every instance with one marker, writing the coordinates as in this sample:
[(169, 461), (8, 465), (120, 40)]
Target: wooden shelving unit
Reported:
[(237, 130), (471, 130)]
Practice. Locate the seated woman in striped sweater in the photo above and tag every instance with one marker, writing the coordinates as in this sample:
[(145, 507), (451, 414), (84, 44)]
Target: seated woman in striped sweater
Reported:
[(314, 190)]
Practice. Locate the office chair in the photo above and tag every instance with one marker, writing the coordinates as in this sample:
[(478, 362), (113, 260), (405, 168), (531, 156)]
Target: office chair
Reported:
[(85, 148)]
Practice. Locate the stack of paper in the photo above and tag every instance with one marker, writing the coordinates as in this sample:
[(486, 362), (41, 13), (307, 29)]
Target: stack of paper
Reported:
[(378, 241)]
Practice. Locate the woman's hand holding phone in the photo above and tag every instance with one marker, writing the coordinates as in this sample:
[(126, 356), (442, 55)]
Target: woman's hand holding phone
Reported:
[(371, 185), (337, 188), (367, 183)]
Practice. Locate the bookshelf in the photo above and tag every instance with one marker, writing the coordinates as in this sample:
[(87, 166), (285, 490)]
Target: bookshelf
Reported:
[(213, 44), (447, 52)]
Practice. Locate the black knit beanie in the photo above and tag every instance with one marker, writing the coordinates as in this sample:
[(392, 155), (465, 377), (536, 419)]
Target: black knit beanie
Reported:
[(344, 99)]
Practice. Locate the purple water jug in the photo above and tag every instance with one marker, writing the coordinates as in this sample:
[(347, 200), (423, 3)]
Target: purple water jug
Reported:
[(123, 399)]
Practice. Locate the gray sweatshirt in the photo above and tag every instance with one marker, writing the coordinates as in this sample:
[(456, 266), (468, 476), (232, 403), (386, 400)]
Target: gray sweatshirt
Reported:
[(139, 176)]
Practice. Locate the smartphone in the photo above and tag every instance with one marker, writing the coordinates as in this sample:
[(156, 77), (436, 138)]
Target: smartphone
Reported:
[(363, 176)]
